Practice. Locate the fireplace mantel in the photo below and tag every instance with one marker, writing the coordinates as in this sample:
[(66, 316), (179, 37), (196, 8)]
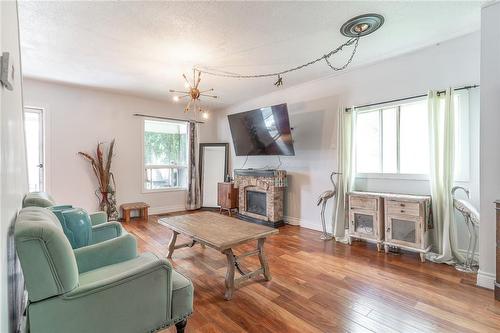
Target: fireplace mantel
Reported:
[(270, 182)]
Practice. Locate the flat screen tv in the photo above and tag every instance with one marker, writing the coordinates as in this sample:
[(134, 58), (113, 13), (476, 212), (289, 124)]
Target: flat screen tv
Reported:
[(264, 131)]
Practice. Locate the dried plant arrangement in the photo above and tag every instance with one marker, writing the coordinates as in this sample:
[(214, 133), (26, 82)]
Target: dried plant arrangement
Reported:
[(101, 166)]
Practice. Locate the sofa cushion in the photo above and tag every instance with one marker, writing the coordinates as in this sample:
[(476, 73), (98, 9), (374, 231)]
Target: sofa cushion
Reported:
[(76, 225)]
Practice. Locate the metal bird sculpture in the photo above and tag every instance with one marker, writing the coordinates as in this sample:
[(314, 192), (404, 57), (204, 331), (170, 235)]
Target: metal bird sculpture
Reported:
[(323, 200)]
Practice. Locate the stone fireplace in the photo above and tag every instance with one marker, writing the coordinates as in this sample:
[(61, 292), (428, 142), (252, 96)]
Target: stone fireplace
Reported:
[(261, 195)]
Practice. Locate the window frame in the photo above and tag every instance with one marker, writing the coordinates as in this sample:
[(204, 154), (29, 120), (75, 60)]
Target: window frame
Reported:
[(160, 166), (382, 175)]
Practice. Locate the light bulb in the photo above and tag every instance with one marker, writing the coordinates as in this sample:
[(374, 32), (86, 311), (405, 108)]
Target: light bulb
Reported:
[(175, 98), (205, 115)]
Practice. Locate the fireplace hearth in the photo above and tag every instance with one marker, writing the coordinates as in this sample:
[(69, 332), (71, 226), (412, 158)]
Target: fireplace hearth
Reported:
[(261, 195)]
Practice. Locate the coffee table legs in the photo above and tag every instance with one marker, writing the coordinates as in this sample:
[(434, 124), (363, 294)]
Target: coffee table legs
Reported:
[(171, 244), (229, 282), (263, 259), (233, 262)]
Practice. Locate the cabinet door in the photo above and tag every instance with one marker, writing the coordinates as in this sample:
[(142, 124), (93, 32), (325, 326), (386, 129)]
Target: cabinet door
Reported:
[(222, 195), (363, 224), (403, 230)]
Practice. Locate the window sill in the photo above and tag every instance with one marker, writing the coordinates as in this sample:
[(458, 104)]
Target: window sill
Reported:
[(393, 176), (171, 189)]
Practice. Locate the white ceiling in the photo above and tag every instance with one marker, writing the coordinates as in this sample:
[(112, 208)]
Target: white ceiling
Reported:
[(143, 47)]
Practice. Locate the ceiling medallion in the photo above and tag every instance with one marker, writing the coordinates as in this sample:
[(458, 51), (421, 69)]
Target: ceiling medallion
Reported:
[(362, 25), (193, 92)]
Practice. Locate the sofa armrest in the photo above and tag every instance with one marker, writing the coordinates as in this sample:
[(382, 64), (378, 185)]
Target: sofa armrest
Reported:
[(109, 277), (106, 231), (109, 252), (98, 218)]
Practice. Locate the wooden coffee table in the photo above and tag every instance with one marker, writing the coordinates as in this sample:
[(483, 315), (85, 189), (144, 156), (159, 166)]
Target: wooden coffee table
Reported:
[(222, 233)]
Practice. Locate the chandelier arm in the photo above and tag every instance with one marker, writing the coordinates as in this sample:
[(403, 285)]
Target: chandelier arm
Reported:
[(186, 109), (205, 95), (197, 82), (187, 81), (178, 91), (351, 41), (204, 91)]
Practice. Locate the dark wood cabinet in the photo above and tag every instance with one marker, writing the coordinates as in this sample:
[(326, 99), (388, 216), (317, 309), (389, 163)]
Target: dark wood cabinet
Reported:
[(227, 197)]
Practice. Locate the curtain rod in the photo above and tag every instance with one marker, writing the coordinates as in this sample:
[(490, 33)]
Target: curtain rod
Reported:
[(407, 98), (168, 118)]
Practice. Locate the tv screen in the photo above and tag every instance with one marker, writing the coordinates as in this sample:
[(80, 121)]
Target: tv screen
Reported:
[(264, 131)]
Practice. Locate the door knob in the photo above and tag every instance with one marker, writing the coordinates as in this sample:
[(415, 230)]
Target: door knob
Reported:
[(39, 165)]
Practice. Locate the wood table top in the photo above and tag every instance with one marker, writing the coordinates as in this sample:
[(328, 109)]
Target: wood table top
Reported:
[(215, 230)]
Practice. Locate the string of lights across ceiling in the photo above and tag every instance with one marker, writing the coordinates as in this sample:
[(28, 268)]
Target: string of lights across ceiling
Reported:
[(355, 28)]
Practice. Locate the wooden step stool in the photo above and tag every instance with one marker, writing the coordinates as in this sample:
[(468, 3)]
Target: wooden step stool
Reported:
[(142, 207)]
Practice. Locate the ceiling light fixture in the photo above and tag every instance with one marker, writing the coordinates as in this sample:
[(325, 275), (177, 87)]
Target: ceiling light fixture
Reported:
[(194, 93), (355, 28), (362, 25)]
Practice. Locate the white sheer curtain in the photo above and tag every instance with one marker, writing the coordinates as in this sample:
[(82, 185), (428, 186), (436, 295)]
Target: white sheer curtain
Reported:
[(442, 159), (345, 166)]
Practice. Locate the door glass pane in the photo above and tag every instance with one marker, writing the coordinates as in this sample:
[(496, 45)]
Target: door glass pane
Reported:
[(414, 134), (404, 230), (368, 142), (33, 131), (363, 223), (390, 141)]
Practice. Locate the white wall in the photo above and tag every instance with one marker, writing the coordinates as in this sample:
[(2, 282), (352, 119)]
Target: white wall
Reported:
[(490, 140), (313, 110), (76, 119), (13, 180)]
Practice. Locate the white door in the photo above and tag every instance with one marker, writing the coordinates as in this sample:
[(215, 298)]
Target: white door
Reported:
[(33, 126), (213, 172)]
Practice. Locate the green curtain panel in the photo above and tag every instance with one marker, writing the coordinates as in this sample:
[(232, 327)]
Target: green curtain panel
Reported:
[(345, 166), (442, 159)]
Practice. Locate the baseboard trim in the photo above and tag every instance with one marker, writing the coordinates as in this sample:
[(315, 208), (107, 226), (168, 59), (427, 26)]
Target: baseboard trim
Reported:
[(303, 223), (485, 280), (166, 209)]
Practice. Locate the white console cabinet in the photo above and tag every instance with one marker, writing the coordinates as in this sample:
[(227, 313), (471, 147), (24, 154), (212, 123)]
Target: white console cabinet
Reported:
[(391, 219)]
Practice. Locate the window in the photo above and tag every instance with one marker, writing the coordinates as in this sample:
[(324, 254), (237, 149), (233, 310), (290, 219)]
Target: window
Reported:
[(33, 130), (165, 155), (393, 140)]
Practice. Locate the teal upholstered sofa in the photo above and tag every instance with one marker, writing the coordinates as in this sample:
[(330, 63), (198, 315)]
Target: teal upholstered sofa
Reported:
[(104, 287), (43, 199)]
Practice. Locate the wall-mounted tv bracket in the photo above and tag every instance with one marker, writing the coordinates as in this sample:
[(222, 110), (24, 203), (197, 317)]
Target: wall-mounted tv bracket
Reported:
[(4, 71)]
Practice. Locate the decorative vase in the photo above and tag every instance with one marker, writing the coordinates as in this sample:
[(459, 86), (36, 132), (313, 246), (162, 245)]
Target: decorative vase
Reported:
[(104, 203), (107, 203)]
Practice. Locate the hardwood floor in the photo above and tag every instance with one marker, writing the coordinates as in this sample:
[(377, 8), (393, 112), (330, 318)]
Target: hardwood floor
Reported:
[(327, 287)]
